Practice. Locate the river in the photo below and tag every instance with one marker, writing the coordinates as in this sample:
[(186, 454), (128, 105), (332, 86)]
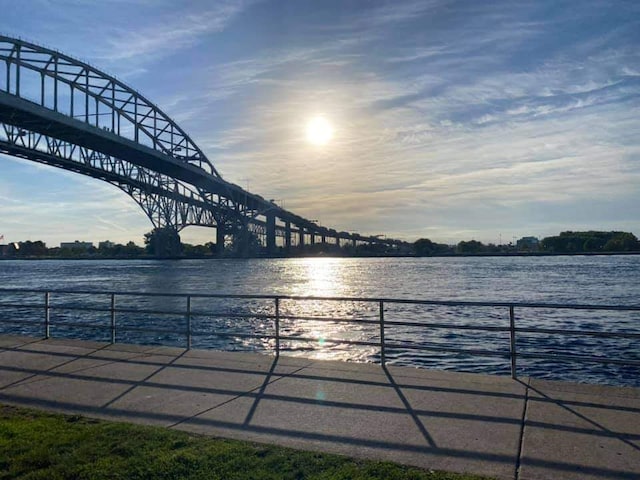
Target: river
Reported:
[(613, 280)]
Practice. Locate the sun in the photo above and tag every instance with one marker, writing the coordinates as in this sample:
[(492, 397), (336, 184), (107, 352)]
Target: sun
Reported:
[(319, 131)]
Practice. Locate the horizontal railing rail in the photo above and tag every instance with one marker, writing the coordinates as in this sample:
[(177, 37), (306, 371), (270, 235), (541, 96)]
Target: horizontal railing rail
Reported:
[(377, 309), (453, 303)]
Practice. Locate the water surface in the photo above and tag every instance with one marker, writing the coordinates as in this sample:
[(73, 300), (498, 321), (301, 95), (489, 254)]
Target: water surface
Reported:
[(562, 279)]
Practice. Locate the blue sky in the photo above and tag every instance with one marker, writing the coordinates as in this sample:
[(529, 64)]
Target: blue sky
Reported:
[(452, 120)]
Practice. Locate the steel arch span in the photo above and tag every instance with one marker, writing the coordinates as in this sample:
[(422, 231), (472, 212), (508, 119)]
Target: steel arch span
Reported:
[(66, 113)]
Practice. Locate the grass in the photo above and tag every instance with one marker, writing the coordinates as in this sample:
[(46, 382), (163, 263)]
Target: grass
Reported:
[(39, 445)]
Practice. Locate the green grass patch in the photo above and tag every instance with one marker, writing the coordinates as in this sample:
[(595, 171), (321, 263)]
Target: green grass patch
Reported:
[(40, 445)]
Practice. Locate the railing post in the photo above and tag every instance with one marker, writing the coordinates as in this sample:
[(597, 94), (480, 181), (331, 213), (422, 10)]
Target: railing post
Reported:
[(512, 343), (383, 359), (112, 310), (188, 322), (47, 312), (277, 326)]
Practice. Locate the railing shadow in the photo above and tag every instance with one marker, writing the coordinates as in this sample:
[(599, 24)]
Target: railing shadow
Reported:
[(599, 429), (414, 416), (260, 393)]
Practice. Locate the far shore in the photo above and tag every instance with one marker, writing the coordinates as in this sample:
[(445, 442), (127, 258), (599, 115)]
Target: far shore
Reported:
[(445, 255)]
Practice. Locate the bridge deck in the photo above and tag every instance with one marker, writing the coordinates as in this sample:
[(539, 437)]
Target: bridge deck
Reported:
[(495, 426)]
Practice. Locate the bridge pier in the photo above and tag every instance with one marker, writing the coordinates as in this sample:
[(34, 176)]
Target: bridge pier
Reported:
[(301, 237), (271, 233), (220, 234), (287, 237), (244, 240)]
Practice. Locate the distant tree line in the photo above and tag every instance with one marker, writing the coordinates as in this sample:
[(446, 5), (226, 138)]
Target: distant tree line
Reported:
[(591, 242), (38, 249), (566, 242), (166, 243), (425, 247)]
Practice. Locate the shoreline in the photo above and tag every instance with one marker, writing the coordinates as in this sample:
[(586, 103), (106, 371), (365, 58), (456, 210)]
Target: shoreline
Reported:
[(265, 257)]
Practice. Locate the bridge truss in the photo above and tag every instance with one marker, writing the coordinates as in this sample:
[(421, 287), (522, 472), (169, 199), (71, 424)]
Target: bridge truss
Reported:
[(65, 113)]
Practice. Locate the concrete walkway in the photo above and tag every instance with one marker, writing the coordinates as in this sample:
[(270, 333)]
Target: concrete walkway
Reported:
[(496, 426)]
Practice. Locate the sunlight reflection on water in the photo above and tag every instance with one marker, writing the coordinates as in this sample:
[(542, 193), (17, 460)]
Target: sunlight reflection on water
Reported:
[(323, 329)]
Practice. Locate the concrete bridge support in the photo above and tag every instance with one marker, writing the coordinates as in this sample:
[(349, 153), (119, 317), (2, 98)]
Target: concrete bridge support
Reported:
[(241, 238), (287, 237), (220, 234), (271, 233)]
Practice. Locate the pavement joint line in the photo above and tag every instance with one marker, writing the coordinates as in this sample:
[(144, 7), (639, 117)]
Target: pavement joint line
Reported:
[(241, 395), (523, 424)]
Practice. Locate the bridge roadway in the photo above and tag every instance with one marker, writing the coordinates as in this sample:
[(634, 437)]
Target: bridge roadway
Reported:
[(496, 426)]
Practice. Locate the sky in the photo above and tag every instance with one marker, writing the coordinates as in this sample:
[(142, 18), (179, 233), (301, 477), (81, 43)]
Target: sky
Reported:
[(451, 120)]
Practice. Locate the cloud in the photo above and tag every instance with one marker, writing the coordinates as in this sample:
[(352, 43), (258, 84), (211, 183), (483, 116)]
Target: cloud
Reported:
[(176, 30)]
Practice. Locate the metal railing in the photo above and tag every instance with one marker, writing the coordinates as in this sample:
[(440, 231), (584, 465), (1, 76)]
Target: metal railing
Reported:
[(380, 324)]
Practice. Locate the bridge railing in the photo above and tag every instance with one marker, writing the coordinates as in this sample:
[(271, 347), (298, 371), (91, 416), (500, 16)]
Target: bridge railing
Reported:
[(272, 323)]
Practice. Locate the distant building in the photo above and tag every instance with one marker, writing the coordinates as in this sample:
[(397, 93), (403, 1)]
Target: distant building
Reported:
[(76, 245), (105, 245), (528, 243), (9, 249)]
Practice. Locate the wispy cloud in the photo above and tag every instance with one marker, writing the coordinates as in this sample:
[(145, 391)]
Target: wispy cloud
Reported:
[(176, 30)]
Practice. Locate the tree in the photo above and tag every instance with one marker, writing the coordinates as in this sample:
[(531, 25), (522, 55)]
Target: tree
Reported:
[(32, 249), (472, 246), (132, 250), (591, 241), (622, 242), (163, 242), (424, 247), (195, 250)]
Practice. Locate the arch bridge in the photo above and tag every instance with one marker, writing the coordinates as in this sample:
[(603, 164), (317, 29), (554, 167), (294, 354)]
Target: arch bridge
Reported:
[(62, 112)]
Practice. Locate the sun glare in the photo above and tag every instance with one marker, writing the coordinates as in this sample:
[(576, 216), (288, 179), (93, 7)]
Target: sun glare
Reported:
[(319, 131)]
